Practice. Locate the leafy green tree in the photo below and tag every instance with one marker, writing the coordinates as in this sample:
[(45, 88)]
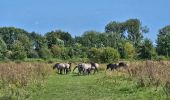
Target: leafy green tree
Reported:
[(58, 38), (135, 30), (3, 48), (56, 50), (90, 38), (163, 41), (129, 49), (147, 50), (18, 51), (115, 27), (11, 34), (94, 54), (109, 55), (38, 41), (32, 54), (44, 53)]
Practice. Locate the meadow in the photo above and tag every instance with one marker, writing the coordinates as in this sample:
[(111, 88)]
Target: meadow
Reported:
[(142, 80)]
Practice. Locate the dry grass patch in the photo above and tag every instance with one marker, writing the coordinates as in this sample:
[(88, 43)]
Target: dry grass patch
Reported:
[(16, 77)]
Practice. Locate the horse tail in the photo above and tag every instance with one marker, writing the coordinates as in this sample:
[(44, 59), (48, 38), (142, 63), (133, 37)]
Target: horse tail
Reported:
[(75, 68)]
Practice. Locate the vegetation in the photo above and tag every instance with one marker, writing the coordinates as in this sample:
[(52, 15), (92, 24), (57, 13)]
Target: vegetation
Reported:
[(121, 41), (18, 80), (142, 80), (124, 37)]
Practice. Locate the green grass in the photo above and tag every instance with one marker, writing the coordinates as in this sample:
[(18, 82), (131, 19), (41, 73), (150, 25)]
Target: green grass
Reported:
[(101, 86)]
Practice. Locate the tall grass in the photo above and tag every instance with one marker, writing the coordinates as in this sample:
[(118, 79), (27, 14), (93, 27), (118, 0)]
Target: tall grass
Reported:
[(151, 73), (148, 73), (17, 79)]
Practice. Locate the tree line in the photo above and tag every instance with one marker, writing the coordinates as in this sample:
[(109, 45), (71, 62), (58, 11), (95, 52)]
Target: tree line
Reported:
[(121, 40)]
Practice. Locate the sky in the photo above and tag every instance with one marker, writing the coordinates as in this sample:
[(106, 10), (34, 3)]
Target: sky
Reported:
[(78, 16)]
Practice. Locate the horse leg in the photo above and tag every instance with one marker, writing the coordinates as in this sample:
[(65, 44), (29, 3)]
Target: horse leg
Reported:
[(61, 71)]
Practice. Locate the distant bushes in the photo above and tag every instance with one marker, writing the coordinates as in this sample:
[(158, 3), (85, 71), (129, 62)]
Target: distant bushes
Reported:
[(103, 55)]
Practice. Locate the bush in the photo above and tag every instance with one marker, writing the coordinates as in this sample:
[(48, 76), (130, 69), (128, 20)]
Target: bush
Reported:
[(56, 50), (129, 49), (109, 55), (159, 58), (32, 54), (19, 55), (44, 53), (64, 53), (94, 54)]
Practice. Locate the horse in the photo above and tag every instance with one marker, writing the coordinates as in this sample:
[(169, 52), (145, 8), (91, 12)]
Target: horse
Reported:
[(85, 68), (122, 64), (115, 66), (95, 67), (66, 67), (112, 66)]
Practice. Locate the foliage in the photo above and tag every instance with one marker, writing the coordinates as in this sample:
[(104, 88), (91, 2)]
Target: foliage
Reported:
[(56, 50), (102, 86), (44, 53), (147, 50), (109, 55), (3, 48), (95, 54), (18, 51), (33, 54), (129, 50), (126, 37), (163, 41), (19, 81)]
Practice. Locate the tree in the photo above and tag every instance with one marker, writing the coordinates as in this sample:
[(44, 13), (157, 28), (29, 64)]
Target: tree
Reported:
[(44, 53), (109, 55), (11, 34), (115, 27), (163, 41), (135, 30), (94, 54), (56, 50), (147, 50), (89, 38), (38, 41), (18, 51), (58, 38), (3, 48), (129, 50)]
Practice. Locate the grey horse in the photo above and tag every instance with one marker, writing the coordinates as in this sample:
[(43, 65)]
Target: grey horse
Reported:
[(63, 67), (85, 68)]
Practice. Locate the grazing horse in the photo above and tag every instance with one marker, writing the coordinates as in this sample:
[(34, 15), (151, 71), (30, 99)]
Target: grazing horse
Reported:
[(95, 67), (122, 64), (115, 66), (66, 67), (85, 68), (112, 66)]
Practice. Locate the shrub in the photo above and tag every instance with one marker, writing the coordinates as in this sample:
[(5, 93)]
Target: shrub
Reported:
[(109, 55), (159, 58), (32, 54), (129, 49), (94, 54), (56, 50), (3, 48), (44, 53)]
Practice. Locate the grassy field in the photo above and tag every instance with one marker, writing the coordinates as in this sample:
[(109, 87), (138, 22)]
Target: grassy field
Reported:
[(142, 80), (102, 86)]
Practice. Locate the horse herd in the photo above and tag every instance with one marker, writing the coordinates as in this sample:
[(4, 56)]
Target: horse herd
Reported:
[(86, 68)]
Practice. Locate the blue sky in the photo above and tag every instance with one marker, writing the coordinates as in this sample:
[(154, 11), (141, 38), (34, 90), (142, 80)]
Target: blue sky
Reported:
[(78, 16)]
